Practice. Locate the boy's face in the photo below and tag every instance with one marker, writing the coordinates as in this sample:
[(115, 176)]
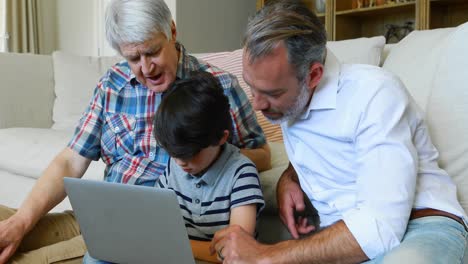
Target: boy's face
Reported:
[(201, 161)]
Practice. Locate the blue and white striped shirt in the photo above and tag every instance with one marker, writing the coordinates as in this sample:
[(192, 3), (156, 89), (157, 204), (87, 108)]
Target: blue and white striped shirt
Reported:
[(206, 201)]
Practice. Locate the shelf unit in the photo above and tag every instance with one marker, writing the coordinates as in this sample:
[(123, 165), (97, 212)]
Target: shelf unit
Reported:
[(447, 13), (344, 21), (371, 21)]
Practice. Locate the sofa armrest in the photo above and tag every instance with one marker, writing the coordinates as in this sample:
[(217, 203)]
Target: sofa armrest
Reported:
[(27, 90)]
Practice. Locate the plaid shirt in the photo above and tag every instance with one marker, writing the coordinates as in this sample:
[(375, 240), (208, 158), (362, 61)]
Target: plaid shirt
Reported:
[(117, 125)]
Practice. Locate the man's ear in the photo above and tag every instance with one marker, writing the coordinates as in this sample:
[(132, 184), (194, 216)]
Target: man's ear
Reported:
[(173, 31), (224, 138), (315, 75)]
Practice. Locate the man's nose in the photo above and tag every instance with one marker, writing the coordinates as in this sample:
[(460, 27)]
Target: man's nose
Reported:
[(259, 102), (146, 65)]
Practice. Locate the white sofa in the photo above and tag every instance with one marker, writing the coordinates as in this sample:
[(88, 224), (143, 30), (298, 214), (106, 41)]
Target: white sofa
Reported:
[(42, 98)]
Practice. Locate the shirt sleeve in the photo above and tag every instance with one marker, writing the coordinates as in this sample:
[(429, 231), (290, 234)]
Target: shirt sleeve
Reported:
[(247, 133), (87, 137), (246, 189), (387, 164)]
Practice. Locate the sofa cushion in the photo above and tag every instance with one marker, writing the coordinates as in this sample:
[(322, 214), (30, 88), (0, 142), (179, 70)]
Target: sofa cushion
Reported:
[(26, 87), (75, 80), (28, 151), (15, 188), (415, 58), (360, 50), (447, 110)]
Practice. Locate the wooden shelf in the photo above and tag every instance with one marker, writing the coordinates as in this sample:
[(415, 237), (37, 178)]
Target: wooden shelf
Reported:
[(343, 22), (449, 2), (378, 10), (447, 13)]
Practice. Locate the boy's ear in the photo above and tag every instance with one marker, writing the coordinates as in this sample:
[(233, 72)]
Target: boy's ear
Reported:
[(224, 138)]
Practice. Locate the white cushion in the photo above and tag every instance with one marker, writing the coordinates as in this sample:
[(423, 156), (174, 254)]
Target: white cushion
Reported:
[(15, 188), (360, 50), (28, 151), (415, 58), (75, 80), (447, 112), (26, 90)]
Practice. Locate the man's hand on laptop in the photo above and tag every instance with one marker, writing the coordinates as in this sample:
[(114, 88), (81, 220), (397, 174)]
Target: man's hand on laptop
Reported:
[(235, 245), (11, 234)]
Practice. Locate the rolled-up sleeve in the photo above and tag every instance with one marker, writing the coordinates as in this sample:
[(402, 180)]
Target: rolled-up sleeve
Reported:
[(386, 170), (87, 137)]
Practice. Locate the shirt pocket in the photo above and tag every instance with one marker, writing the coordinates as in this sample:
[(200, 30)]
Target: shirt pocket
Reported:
[(119, 135)]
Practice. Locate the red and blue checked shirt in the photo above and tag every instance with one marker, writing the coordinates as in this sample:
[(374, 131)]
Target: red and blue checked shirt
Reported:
[(117, 125)]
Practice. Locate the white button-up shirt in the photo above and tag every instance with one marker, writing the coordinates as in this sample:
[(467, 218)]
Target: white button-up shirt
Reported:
[(363, 154)]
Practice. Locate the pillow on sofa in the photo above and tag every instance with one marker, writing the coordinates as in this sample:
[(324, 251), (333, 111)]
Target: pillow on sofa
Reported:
[(447, 110), (415, 58), (360, 50), (75, 80), (28, 151)]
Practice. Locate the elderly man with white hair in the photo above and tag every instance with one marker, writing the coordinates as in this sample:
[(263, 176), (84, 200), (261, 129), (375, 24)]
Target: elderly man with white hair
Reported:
[(117, 128)]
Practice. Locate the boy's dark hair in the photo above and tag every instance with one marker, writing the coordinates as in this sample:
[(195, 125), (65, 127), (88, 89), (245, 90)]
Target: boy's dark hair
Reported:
[(193, 115)]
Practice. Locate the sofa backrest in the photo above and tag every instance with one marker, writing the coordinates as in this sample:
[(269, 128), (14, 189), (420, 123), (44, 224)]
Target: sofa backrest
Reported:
[(27, 83), (433, 64), (75, 80)]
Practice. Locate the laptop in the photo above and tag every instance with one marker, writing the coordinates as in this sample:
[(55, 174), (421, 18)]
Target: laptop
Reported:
[(129, 224)]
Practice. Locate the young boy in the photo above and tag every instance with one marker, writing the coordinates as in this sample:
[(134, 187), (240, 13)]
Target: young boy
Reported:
[(215, 184)]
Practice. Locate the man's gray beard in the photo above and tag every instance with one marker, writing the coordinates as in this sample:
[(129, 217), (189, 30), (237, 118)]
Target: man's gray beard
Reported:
[(296, 109)]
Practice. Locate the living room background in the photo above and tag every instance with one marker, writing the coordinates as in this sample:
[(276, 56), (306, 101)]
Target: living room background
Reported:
[(77, 27)]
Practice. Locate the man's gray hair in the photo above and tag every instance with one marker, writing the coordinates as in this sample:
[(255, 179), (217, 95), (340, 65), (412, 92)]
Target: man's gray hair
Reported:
[(291, 23), (135, 21)]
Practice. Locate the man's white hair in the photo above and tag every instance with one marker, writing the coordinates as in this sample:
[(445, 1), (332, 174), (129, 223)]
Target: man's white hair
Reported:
[(135, 21)]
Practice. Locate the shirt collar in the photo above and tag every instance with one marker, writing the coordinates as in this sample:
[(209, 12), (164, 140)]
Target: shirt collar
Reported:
[(325, 93), (182, 63), (214, 172)]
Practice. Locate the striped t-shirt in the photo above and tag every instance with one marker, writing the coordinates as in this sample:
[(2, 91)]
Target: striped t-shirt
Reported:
[(206, 201)]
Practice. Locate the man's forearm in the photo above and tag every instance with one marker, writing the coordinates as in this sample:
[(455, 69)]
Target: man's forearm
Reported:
[(261, 157), (49, 190), (334, 244)]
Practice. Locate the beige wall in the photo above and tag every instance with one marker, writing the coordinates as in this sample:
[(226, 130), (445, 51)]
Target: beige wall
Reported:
[(77, 26), (172, 6), (209, 25)]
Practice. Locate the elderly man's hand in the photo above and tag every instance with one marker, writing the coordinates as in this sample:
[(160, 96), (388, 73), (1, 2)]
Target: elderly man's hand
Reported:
[(234, 245), (11, 234)]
